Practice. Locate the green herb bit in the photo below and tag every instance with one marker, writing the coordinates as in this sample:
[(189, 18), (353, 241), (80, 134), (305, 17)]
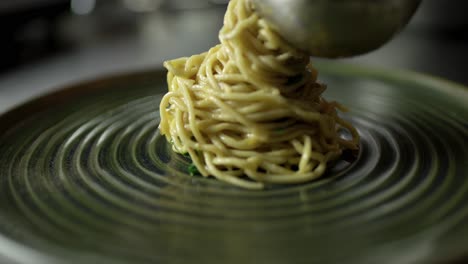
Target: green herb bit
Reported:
[(192, 170)]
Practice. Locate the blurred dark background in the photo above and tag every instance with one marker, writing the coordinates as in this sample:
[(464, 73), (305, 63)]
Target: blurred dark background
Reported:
[(46, 44)]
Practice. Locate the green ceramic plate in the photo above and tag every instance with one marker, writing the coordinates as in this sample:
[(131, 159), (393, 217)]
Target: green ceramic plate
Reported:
[(85, 177)]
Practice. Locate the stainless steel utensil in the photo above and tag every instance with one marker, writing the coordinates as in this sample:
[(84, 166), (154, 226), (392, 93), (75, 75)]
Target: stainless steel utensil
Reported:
[(337, 28)]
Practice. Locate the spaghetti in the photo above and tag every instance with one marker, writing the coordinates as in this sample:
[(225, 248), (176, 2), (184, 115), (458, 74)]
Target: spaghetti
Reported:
[(249, 111)]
